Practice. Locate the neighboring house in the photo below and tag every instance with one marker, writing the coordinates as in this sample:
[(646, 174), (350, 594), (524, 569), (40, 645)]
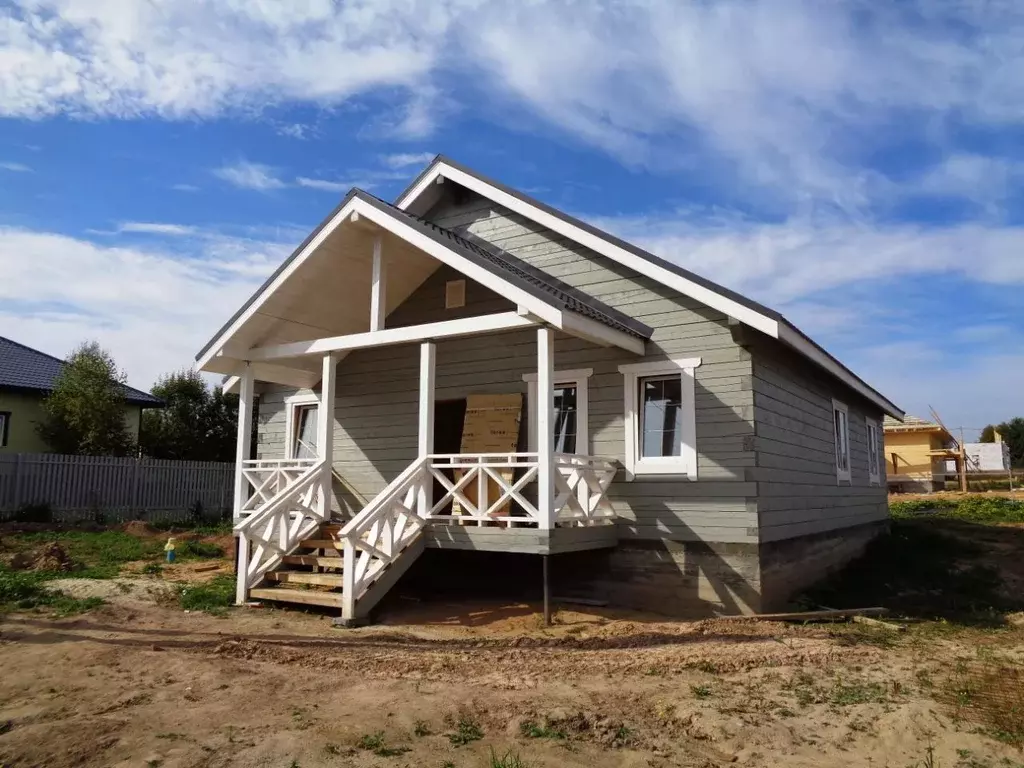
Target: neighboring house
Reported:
[(916, 454), (26, 378), (988, 457), (501, 376)]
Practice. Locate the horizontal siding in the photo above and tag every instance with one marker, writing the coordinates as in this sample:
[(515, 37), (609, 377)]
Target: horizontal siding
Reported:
[(798, 493), (376, 412)]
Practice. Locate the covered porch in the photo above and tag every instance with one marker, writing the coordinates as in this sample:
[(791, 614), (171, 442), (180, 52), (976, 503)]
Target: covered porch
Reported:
[(351, 280)]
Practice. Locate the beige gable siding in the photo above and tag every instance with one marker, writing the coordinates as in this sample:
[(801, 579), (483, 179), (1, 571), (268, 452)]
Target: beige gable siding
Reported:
[(796, 473)]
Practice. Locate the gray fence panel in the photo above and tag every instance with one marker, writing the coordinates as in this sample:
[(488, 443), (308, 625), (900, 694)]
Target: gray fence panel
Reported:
[(80, 486)]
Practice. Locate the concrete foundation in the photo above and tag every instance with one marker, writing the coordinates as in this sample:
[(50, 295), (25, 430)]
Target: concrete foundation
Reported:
[(792, 565)]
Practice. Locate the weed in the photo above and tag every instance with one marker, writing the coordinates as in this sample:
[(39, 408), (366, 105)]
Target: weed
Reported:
[(509, 760), (294, 764), (152, 569), (466, 731), (700, 691), (102, 552), (989, 695), (171, 736), (447, 764), (972, 509), (154, 763), (847, 694), (25, 590), (786, 712), (533, 731), (213, 597), (374, 742), (924, 679), (421, 728), (200, 549), (333, 749), (623, 734)]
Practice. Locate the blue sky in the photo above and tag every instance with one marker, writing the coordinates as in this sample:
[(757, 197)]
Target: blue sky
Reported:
[(857, 165)]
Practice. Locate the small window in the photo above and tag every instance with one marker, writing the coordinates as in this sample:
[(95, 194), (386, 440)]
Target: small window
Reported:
[(300, 437), (570, 410), (660, 418), (5, 423), (874, 453), (454, 294), (841, 426)]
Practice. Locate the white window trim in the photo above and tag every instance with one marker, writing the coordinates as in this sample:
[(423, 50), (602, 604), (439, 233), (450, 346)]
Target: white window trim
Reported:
[(576, 378), (874, 430), (841, 475), (292, 404), (686, 463)]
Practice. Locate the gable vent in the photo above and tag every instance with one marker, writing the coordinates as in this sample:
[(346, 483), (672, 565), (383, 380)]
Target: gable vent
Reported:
[(454, 294)]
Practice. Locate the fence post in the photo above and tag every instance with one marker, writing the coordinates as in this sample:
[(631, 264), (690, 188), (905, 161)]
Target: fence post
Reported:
[(16, 501), (133, 502)]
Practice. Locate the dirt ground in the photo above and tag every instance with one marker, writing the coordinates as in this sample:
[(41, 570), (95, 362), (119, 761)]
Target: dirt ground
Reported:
[(139, 683)]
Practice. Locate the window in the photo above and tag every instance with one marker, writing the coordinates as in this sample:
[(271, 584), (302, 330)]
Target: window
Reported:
[(5, 423), (301, 427), (874, 453), (660, 418), (570, 406), (841, 426)]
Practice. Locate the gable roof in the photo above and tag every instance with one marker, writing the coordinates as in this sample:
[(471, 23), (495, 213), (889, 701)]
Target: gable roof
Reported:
[(25, 368), (912, 424), (515, 275), (688, 283)]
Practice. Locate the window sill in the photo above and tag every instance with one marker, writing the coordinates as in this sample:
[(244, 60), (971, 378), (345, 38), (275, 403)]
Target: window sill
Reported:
[(661, 472)]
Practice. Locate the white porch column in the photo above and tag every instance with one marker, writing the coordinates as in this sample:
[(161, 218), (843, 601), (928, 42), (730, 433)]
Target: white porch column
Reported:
[(243, 452), (378, 294), (325, 432), (545, 428), (428, 367)]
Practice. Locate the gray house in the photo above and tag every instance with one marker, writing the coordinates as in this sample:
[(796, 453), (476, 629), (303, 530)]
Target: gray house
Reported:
[(499, 376)]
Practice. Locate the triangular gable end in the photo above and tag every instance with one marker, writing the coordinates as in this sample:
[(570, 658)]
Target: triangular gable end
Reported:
[(425, 190)]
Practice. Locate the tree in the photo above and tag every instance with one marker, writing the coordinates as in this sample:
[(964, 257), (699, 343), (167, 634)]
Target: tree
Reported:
[(85, 413), (988, 434), (195, 423)]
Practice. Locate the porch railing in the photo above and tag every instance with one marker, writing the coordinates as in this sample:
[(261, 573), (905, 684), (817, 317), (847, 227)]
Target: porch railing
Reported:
[(268, 477)]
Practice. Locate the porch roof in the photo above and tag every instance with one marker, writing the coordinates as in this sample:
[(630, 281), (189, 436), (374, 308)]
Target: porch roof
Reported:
[(412, 237)]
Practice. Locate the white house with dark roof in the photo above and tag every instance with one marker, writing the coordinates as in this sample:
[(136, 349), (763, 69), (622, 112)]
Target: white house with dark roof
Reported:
[(26, 378), (502, 377)]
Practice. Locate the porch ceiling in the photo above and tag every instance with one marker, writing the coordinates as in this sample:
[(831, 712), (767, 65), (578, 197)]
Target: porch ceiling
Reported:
[(329, 295)]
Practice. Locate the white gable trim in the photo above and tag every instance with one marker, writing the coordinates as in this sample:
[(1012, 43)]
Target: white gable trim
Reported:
[(359, 209), (783, 331)]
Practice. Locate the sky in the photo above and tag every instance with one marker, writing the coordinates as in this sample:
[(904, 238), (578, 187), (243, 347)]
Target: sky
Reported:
[(858, 166)]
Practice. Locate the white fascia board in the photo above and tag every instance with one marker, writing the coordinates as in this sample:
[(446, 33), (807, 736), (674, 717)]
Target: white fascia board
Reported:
[(446, 256), (793, 338), (599, 333), (468, 326), (228, 387), (269, 291), (700, 293)]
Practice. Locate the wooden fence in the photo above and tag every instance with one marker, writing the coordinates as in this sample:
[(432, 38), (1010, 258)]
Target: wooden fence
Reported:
[(77, 487)]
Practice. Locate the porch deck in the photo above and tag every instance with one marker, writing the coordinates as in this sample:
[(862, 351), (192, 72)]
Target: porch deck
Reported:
[(532, 541)]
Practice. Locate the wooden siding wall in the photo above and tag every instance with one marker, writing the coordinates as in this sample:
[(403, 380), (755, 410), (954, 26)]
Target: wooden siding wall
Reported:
[(375, 434), (796, 475)]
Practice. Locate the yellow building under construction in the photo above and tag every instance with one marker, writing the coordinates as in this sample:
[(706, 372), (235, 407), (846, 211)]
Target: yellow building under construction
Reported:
[(916, 452)]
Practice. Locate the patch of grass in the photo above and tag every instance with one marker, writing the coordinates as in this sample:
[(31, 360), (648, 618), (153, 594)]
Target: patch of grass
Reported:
[(847, 694), (623, 734), (421, 729), (214, 596), (152, 569), (707, 667), (990, 696), (531, 730), (171, 736), (508, 760), (101, 552), (700, 691), (24, 590), (199, 550), (466, 730), (925, 569), (374, 742), (972, 509)]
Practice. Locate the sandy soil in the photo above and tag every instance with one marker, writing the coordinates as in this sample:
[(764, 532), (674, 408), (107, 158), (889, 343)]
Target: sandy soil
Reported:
[(140, 684)]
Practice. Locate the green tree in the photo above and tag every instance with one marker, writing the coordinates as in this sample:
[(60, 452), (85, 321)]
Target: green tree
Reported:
[(85, 412), (196, 424), (988, 434)]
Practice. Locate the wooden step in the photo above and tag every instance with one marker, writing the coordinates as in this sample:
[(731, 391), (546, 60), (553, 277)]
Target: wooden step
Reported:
[(303, 596), (330, 529), (323, 561), (321, 544), (304, 577)]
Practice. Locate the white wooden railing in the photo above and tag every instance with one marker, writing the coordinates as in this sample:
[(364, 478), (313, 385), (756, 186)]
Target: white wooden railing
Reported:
[(484, 487), (289, 513), (581, 489)]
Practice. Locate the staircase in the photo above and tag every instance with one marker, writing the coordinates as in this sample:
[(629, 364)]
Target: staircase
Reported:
[(290, 553)]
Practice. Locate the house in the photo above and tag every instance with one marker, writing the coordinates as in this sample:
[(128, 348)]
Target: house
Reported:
[(502, 377), (916, 453), (26, 378)]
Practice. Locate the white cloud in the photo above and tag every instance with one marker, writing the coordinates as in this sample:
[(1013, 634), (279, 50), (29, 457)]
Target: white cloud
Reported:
[(246, 175), (154, 228), (405, 159), (15, 167), (184, 187), (153, 308), (294, 131), (328, 186)]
